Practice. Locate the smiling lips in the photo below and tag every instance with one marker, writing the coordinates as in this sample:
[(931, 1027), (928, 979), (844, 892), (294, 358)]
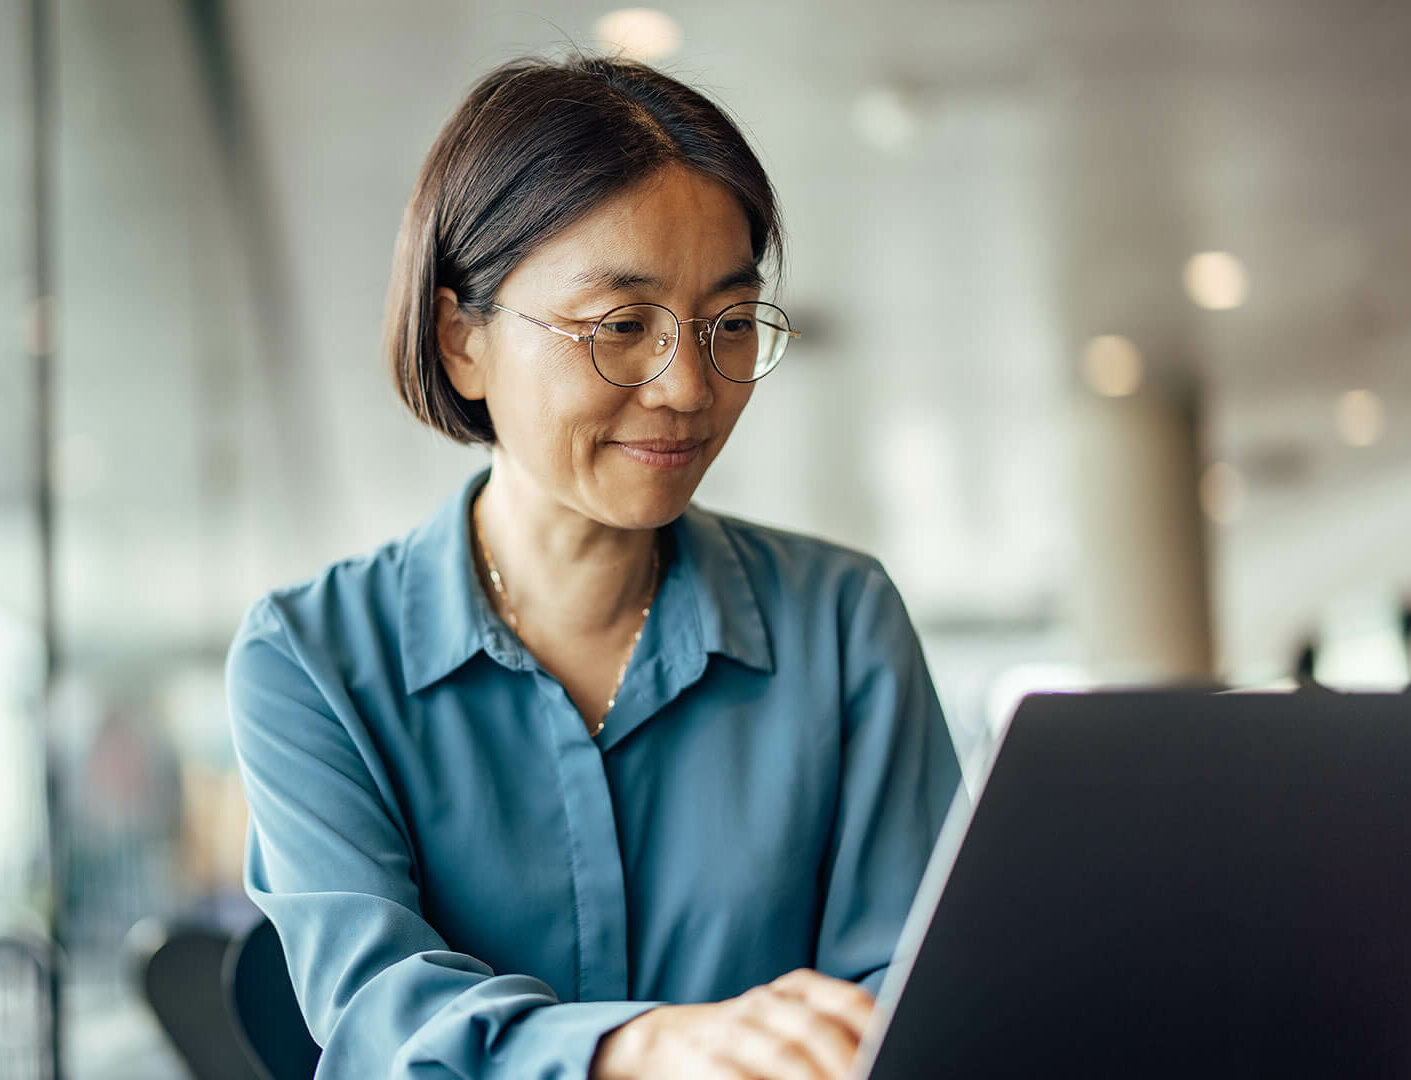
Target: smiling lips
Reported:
[(662, 453)]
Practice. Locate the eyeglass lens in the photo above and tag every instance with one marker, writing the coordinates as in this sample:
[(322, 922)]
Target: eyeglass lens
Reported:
[(633, 344)]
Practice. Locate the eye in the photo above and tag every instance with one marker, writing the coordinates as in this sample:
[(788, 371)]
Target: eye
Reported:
[(624, 327), (737, 325)]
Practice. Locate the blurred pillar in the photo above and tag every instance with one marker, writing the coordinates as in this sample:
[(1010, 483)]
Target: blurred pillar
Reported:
[(43, 84), (1143, 598)]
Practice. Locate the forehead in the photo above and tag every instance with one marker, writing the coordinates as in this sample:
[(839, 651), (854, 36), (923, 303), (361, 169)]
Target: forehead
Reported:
[(677, 223)]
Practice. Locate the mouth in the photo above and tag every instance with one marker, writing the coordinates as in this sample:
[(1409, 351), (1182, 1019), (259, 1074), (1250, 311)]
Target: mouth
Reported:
[(662, 453)]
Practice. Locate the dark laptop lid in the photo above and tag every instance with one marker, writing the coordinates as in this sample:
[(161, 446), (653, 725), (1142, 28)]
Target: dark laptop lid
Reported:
[(1167, 884)]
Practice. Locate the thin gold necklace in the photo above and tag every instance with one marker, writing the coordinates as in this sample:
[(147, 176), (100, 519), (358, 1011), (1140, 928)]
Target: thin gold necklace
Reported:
[(513, 619)]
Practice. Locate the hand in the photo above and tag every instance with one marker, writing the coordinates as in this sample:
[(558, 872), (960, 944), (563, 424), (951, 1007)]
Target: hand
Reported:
[(802, 1026)]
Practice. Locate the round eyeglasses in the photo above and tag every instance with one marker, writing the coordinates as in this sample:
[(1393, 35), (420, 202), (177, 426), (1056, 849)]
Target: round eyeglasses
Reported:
[(633, 344)]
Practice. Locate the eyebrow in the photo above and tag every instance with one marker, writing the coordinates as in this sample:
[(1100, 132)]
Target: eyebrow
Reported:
[(611, 279)]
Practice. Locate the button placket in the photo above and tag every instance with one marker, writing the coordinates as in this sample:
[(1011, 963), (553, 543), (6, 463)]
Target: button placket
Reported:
[(596, 858)]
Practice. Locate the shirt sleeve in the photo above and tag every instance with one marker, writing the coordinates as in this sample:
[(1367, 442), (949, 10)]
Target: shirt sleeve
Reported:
[(899, 775), (328, 861)]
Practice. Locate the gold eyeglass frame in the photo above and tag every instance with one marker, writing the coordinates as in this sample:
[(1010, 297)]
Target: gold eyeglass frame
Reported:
[(705, 337)]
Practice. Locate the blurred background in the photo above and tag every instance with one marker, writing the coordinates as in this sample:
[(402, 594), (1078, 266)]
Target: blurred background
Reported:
[(1107, 356)]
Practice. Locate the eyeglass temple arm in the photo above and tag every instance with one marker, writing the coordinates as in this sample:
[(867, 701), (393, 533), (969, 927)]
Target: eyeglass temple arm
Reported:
[(547, 326), (783, 329), (589, 337)]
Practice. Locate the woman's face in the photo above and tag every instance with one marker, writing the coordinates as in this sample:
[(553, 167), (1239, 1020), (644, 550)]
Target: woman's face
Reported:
[(626, 457)]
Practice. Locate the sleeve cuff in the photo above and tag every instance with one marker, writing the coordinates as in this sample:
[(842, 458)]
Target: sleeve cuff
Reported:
[(559, 1041), (872, 981), (550, 1041)]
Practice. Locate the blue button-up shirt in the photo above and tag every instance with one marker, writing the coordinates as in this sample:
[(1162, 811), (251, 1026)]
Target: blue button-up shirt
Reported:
[(467, 884)]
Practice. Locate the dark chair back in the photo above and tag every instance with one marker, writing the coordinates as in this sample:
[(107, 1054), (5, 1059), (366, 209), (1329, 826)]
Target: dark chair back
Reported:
[(178, 971), (260, 997)]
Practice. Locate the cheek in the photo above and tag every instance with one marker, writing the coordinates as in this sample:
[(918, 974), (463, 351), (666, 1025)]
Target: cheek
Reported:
[(562, 410), (732, 400), (574, 403), (541, 391)]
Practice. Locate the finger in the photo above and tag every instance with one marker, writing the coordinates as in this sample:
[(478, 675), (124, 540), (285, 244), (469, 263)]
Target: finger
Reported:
[(845, 1002), (761, 1051), (830, 1042)]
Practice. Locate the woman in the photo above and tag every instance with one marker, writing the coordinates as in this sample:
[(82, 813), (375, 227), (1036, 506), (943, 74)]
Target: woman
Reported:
[(578, 779)]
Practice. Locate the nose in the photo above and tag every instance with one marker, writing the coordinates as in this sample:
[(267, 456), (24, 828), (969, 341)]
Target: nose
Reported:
[(685, 385)]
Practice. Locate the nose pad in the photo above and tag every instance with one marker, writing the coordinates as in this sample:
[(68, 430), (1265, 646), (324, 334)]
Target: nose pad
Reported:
[(703, 336), (663, 339)]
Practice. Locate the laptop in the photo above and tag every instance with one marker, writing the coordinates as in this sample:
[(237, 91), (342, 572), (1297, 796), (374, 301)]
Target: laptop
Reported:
[(1166, 884)]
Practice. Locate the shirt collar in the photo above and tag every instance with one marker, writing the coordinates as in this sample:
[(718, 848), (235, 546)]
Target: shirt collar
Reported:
[(446, 617), (731, 623)]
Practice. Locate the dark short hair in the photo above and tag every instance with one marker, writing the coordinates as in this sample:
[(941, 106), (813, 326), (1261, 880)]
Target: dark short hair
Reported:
[(534, 146)]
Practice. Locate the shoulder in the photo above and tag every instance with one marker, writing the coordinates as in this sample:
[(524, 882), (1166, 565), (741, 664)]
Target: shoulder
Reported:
[(330, 611), (816, 598), (785, 546), (796, 566), (372, 621)]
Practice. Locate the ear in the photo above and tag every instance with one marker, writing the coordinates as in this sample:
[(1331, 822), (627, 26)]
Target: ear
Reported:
[(462, 345)]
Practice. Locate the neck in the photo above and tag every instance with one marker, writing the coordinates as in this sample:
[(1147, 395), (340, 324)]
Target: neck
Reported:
[(563, 572)]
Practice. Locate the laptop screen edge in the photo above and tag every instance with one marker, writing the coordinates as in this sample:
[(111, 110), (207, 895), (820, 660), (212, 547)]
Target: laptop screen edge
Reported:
[(918, 921)]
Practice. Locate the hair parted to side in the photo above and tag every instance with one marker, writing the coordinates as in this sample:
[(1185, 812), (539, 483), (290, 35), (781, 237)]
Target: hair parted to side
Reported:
[(534, 146)]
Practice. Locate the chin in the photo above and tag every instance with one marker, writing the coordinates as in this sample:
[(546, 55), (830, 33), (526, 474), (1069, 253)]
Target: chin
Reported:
[(645, 508), (648, 499)]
